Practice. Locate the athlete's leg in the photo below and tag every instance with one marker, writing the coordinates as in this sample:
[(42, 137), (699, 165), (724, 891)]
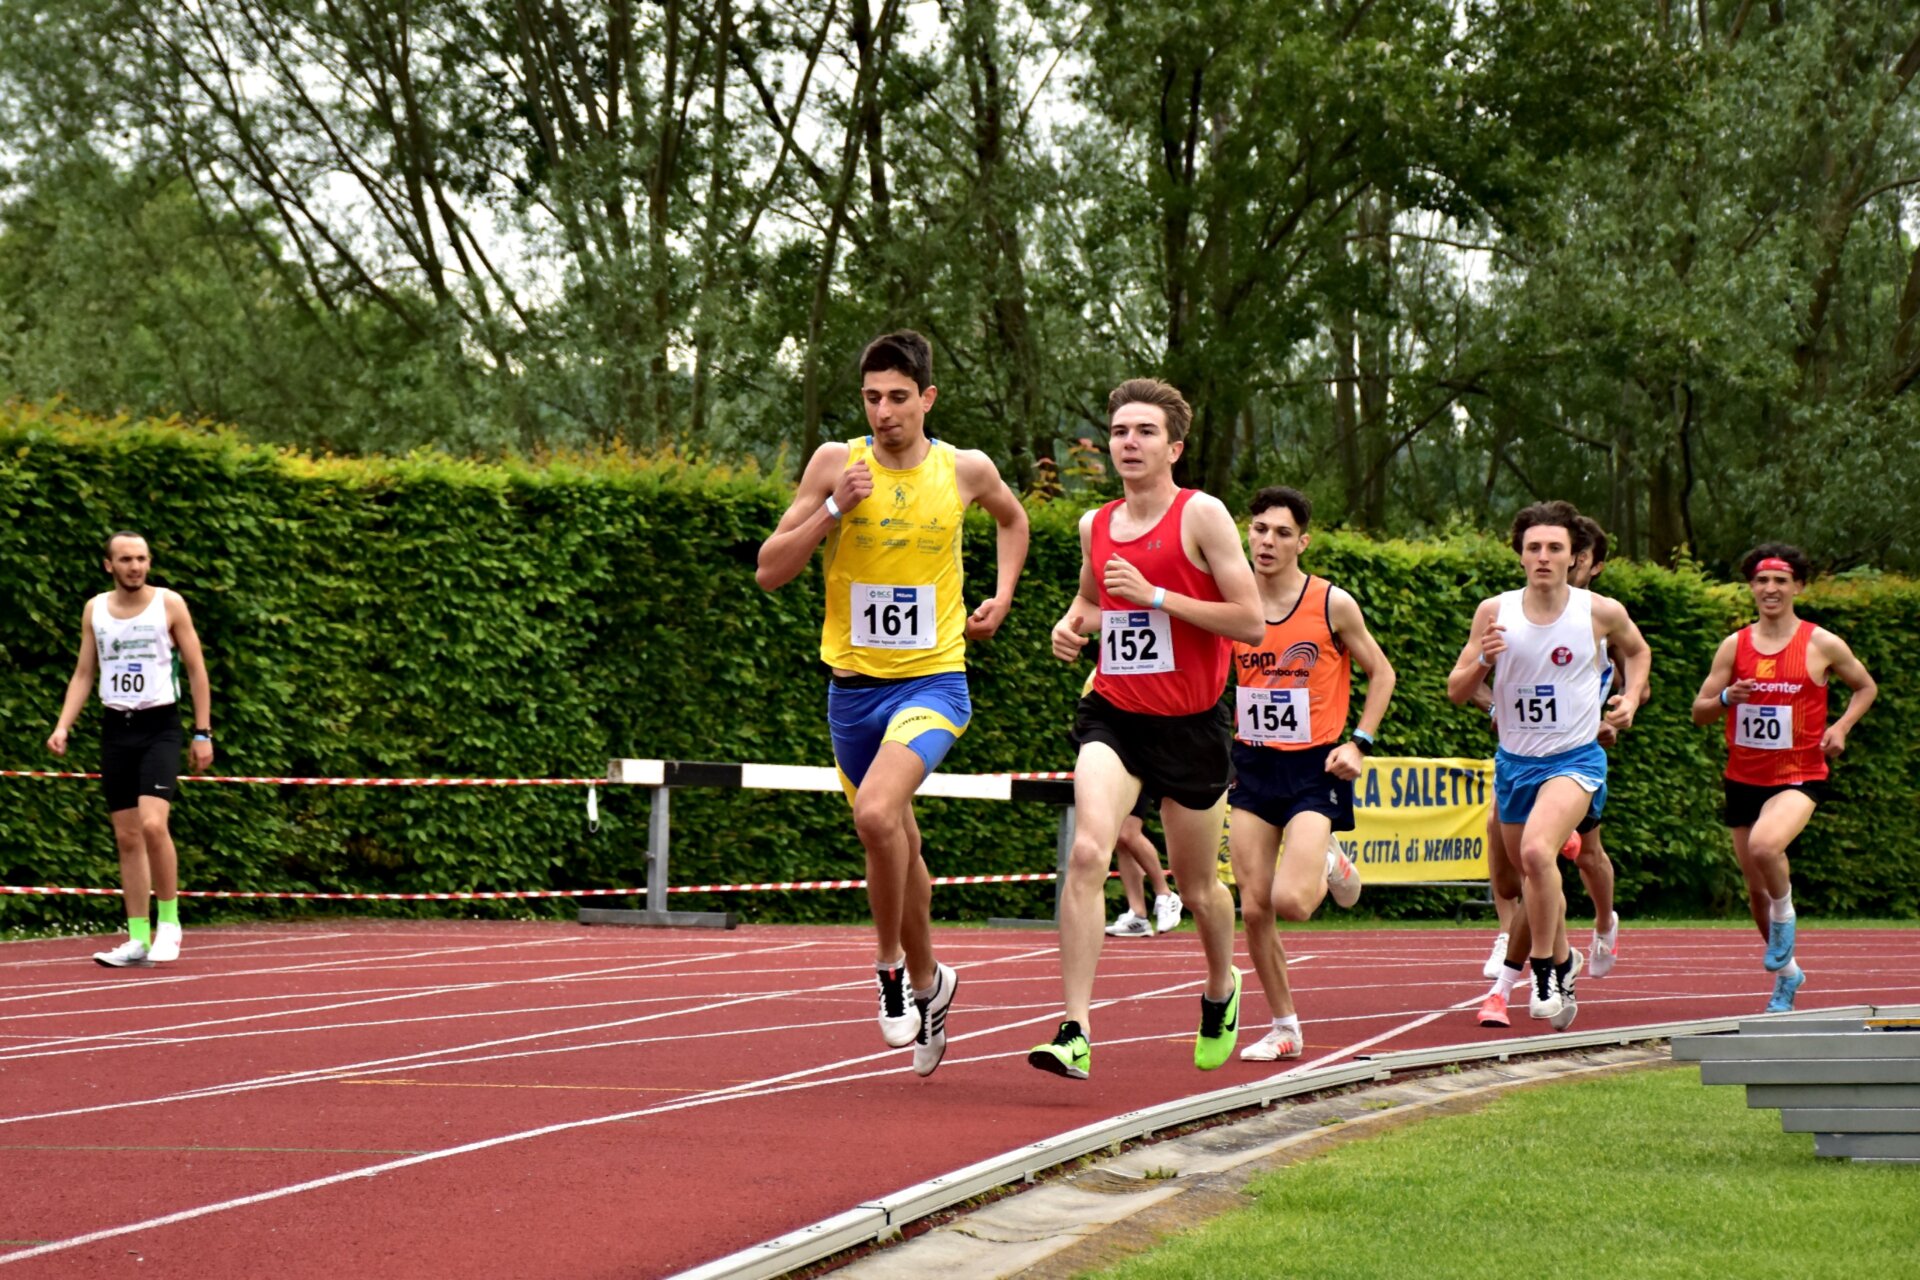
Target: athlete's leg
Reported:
[(1782, 818), (1504, 892), (1557, 809), (136, 873), (1103, 791), (1134, 839), (1301, 882), (1254, 843), (883, 815), (1596, 873), (1134, 863), (162, 860), (1193, 854), (1759, 901)]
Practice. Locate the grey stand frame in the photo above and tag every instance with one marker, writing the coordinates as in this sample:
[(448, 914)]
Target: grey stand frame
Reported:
[(655, 914), (1063, 850)]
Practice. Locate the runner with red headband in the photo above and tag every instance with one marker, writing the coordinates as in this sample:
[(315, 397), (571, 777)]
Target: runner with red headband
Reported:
[(1770, 682)]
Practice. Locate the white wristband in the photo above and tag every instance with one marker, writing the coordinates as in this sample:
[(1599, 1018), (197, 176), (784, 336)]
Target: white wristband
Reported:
[(1159, 597), (833, 508)]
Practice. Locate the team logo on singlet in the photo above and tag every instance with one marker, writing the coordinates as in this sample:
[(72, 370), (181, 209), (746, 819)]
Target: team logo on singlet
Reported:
[(1562, 656), (1766, 668), (1296, 663)]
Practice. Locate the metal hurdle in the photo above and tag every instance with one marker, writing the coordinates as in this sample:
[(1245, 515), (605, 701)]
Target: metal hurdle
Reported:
[(661, 777)]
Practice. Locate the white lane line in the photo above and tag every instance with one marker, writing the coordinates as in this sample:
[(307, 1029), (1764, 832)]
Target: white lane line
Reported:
[(115, 1039), (322, 1073), (43, 991), (789, 1083), (194, 947)]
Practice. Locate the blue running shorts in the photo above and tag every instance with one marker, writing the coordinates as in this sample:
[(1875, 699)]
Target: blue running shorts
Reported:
[(926, 714), (1517, 779)]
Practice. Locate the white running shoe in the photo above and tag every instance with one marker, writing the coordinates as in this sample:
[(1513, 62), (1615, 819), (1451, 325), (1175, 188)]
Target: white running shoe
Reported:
[(1543, 999), (1568, 1005), (1130, 925), (899, 1015), (166, 944), (1495, 958), (1343, 877), (131, 954), (1275, 1045), (930, 1045), (1606, 949), (1166, 912)]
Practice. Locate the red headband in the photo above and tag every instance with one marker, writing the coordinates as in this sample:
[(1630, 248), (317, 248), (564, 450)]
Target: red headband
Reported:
[(1775, 563)]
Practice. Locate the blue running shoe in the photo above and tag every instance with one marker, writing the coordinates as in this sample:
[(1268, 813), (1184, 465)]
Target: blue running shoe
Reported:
[(1784, 988), (1779, 945)]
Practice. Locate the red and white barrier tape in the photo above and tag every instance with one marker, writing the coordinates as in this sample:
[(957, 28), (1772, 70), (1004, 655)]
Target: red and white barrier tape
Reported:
[(341, 782), (770, 886)]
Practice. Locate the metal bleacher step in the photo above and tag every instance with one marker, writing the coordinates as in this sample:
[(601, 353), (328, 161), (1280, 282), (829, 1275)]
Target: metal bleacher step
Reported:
[(1849, 1077)]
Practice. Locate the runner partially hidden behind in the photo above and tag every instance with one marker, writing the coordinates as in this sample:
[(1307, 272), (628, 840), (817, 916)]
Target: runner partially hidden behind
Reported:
[(1294, 762), (132, 635), (889, 507), (1164, 585), (1770, 681)]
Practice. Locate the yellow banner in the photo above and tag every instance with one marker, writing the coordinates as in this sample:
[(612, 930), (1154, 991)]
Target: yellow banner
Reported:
[(1415, 821), (1418, 821)]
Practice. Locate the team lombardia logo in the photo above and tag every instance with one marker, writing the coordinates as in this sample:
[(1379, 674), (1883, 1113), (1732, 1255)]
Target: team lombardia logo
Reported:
[(1295, 664)]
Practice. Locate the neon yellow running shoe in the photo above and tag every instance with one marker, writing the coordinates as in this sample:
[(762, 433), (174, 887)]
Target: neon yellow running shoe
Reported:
[(1068, 1054), (1219, 1029)]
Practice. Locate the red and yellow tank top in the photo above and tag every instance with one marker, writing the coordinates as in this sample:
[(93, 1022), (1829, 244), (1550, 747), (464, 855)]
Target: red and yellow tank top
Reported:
[(1774, 739), (1150, 661), (1294, 687)]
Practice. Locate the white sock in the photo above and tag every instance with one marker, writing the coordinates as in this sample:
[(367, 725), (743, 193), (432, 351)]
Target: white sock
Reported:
[(1782, 908), (1289, 1023), (1791, 971), (1508, 979)]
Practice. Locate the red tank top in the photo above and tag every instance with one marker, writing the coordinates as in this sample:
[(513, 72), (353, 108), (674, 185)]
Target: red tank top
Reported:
[(1151, 662), (1774, 739), (1303, 659)]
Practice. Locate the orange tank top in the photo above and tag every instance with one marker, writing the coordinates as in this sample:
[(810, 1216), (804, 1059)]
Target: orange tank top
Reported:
[(1295, 686), (1774, 739)]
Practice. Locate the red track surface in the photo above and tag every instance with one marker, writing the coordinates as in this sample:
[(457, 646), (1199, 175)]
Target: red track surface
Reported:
[(549, 1100)]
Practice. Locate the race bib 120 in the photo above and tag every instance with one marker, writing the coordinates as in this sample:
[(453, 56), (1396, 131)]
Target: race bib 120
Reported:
[(1764, 728)]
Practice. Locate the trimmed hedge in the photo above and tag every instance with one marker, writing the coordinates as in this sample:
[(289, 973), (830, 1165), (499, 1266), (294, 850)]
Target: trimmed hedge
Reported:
[(424, 616)]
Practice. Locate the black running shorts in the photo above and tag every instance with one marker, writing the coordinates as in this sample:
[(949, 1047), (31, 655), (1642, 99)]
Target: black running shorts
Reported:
[(1185, 759), (1744, 800), (140, 756), (1274, 785)]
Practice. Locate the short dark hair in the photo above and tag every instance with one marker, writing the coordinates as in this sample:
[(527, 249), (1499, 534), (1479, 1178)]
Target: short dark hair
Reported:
[(1280, 495), (107, 547), (902, 351), (1556, 512), (1794, 556), (1596, 538), (1163, 395)]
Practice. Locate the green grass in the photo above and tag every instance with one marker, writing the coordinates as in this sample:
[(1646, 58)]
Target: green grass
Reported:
[(1645, 1174)]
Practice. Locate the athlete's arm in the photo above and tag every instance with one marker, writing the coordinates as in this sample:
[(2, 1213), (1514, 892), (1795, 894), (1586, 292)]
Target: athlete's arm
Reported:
[(186, 642), (1636, 660), (1853, 674), (84, 669), (1469, 673), (808, 522), (1707, 706), (1343, 612), (980, 482), (1082, 618), (1237, 615)]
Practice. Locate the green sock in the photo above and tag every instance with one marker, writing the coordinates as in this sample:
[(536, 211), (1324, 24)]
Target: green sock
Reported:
[(169, 910), (141, 932)]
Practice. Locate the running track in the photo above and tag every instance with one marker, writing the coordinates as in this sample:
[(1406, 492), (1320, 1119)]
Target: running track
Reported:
[(417, 1099)]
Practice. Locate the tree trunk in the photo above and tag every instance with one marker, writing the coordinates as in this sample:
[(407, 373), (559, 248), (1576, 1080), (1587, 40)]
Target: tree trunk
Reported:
[(707, 325), (1375, 216), (1346, 416)]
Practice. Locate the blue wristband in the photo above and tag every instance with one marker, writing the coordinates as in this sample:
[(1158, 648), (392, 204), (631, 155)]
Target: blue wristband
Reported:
[(1159, 597), (1724, 700)]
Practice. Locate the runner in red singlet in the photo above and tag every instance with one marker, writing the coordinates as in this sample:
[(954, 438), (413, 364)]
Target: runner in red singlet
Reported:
[(1165, 588), (1770, 682)]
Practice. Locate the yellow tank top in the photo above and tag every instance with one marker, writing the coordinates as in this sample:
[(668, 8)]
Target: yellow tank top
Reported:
[(894, 606)]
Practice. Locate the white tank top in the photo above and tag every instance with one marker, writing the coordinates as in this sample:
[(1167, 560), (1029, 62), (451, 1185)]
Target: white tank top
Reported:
[(1546, 686), (136, 655)]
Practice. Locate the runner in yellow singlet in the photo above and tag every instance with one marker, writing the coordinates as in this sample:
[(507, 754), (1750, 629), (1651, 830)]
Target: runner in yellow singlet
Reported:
[(888, 506)]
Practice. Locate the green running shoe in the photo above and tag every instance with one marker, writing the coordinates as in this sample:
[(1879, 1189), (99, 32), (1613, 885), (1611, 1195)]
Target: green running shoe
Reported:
[(1068, 1054), (1219, 1029)]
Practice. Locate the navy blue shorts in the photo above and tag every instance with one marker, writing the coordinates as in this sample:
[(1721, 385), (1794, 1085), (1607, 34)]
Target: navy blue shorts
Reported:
[(1275, 785)]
